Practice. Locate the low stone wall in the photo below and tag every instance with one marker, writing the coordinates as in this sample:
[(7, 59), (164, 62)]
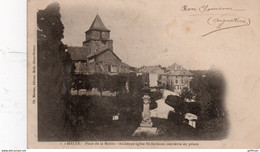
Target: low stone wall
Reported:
[(93, 92)]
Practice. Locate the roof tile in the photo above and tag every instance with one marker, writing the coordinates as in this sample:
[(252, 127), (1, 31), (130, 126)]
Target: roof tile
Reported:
[(78, 52)]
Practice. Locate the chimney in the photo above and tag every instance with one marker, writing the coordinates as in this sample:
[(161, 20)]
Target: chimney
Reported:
[(110, 44)]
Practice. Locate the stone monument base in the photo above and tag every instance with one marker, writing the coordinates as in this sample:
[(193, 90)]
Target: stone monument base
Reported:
[(145, 124), (145, 131)]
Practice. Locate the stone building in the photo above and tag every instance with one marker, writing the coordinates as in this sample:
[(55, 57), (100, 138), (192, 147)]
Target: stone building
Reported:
[(97, 55), (176, 78), (154, 72)]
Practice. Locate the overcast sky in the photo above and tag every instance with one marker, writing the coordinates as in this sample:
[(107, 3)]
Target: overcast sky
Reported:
[(152, 32)]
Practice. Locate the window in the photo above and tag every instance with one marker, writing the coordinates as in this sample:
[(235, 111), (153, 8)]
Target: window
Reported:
[(176, 81), (104, 42), (112, 68)]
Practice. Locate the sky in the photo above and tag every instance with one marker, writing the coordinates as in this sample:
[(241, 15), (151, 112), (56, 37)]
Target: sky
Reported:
[(150, 32)]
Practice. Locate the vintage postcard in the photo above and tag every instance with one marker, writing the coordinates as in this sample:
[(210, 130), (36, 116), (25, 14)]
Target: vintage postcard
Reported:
[(143, 74)]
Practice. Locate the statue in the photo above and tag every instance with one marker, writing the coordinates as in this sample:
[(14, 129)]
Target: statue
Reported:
[(146, 114), (146, 126)]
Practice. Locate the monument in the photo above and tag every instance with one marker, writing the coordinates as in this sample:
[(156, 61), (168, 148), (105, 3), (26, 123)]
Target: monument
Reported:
[(146, 127)]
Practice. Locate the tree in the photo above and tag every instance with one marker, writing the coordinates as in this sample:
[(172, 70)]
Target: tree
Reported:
[(176, 102), (52, 62), (186, 94), (208, 86), (117, 83), (98, 81), (193, 107), (78, 82), (136, 83), (86, 83), (49, 23)]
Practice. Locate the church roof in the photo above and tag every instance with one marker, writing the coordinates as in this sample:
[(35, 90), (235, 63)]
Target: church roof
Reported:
[(101, 51), (98, 25), (78, 52), (81, 53)]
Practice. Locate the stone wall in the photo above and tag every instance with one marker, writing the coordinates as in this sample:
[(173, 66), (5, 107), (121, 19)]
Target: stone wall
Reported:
[(95, 45), (105, 35), (108, 58), (80, 67), (97, 35)]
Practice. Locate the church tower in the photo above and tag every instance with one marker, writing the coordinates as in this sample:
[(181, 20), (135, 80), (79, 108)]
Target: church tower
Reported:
[(98, 36)]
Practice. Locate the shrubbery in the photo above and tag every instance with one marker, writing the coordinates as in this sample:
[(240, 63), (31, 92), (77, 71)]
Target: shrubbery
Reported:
[(193, 107), (177, 118), (176, 102), (154, 96), (209, 88), (214, 128), (96, 110), (112, 83), (181, 108)]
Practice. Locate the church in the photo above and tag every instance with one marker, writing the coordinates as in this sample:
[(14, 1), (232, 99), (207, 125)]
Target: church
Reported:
[(97, 55)]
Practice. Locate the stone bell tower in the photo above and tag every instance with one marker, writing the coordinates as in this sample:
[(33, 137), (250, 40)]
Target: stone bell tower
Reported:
[(98, 36)]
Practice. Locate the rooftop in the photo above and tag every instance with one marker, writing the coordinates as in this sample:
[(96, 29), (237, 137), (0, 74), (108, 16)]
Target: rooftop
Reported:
[(179, 73), (78, 52), (98, 25)]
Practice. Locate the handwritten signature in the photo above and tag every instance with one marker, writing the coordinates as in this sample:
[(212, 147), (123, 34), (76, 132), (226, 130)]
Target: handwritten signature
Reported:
[(207, 8), (220, 19), (226, 22)]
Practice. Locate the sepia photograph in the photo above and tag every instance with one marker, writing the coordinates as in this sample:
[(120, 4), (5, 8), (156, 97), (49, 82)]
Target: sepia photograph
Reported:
[(118, 71)]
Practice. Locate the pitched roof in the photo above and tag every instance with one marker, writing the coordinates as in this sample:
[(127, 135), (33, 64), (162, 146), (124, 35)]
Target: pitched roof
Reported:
[(150, 69), (78, 52), (179, 73), (101, 51), (98, 25), (83, 53), (175, 66)]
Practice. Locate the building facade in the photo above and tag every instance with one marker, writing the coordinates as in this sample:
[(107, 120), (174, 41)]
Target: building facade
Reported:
[(154, 73), (97, 55), (176, 78)]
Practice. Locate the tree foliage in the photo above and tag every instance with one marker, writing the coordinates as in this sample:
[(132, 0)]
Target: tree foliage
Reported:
[(182, 107), (106, 82), (49, 23), (208, 86), (54, 71), (186, 94), (176, 102)]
